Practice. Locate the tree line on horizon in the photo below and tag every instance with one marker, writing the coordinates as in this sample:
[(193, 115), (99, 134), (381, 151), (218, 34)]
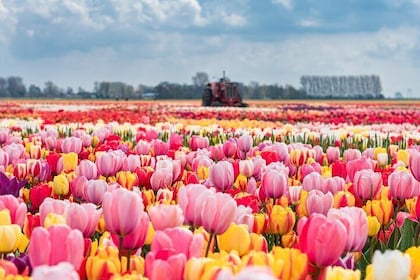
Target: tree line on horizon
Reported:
[(14, 87)]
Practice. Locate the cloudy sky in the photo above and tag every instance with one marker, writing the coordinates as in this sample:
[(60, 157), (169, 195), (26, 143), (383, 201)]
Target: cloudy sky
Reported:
[(77, 42)]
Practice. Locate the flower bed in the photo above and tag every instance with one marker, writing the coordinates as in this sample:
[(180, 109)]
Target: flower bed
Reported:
[(175, 191)]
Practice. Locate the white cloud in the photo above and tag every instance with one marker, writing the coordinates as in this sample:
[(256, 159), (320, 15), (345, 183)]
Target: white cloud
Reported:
[(287, 4), (309, 23)]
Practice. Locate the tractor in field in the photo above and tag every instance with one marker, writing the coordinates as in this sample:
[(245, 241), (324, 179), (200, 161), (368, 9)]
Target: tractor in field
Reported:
[(222, 93)]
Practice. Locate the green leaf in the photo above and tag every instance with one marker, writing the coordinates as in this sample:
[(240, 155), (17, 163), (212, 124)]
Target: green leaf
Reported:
[(407, 235)]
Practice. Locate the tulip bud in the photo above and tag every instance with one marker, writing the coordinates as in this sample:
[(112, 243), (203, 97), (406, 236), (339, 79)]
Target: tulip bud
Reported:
[(61, 185), (373, 225)]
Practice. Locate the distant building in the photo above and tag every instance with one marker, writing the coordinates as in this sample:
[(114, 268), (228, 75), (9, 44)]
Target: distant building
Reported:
[(150, 95), (364, 86)]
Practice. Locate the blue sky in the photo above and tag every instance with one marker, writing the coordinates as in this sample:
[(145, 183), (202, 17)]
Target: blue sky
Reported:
[(77, 42)]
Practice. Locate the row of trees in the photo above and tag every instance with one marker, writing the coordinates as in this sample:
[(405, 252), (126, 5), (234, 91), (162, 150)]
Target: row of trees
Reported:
[(14, 87)]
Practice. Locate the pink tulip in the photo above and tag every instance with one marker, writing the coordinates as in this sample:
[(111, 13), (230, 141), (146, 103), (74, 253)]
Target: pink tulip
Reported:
[(131, 162), (356, 223), (151, 134), (356, 165), (217, 213), (17, 208), (402, 185), (259, 164), (161, 178), (58, 243), (333, 185), (322, 239), (229, 148), (77, 187), (333, 154), (221, 175), (175, 141), (87, 169), (244, 143), (312, 181), (15, 152), (307, 169), (178, 240), (367, 184), (274, 183), (164, 264), (246, 167), (281, 149), (4, 135), (244, 216), (51, 142), (294, 194), (351, 154), (143, 148), (50, 205), (198, 142), (251, 186), (4, 158), (108, 164), (63, 270), (94, 191), (165, 216), (86, 140), (71, 144), (159, 147), (83, 217), (136, 238), (191, 199), (216, 152), (414, 164), (122, 209), (318, 202), (169, 252), (201, 160)]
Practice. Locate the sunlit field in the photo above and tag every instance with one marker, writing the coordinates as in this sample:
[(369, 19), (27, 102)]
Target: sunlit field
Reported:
[(173, 190)]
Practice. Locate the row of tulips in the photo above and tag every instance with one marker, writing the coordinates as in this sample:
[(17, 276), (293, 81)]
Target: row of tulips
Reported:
[(221, 204), (141, 111)]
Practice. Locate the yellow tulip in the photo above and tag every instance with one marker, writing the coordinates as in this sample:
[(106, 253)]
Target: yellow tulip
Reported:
[(10, 238), (382, 209), (195, 268), (295, 263), (105, 261), (377, 151), (5, 218), (339, 273), (69, 161), (373, 225), (241, 182), (127, 179), (260, 223), (258, 242), (404, 156), (301, 210), (60, 185), (95, 141), (281, 220), (343, 199), (203, 172), (54, 219), (414, 253), (235, 238)]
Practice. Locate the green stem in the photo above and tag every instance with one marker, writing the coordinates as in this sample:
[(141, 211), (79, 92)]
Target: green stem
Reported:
[(120, 241), (208, 244), (416, 236), (128, 260)]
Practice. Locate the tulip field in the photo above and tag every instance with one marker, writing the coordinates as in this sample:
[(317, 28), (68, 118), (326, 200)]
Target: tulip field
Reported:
[(172, 190)]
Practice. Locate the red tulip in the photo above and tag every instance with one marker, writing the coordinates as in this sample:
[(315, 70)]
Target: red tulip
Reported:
[(37, 195)]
